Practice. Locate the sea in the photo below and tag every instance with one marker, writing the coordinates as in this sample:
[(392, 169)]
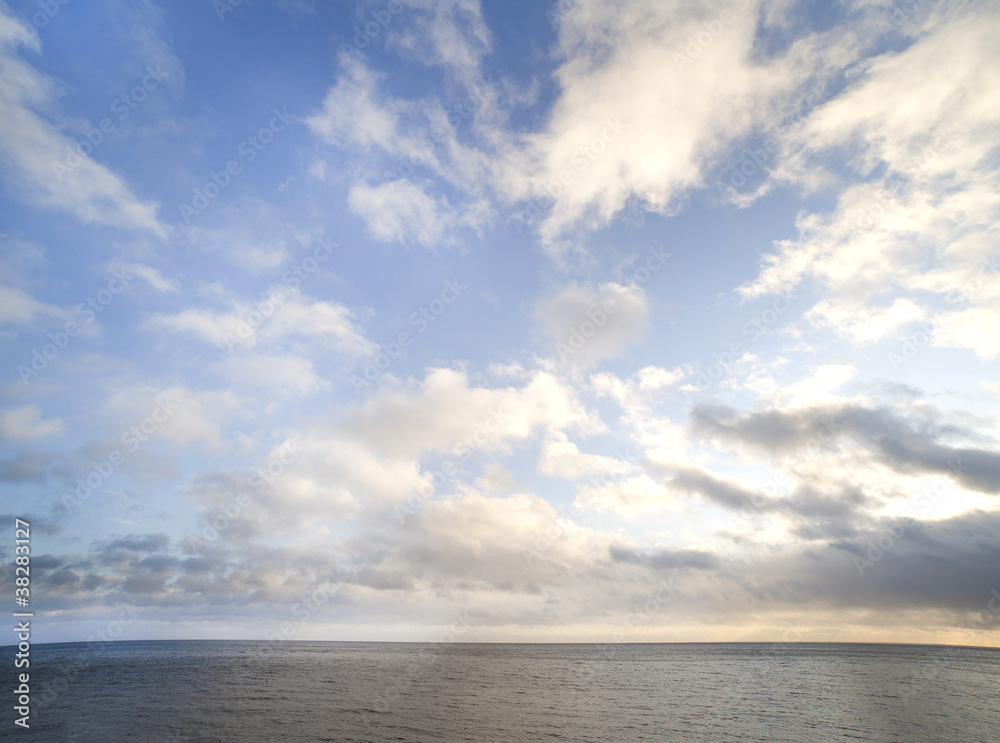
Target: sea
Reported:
[(246, 692)]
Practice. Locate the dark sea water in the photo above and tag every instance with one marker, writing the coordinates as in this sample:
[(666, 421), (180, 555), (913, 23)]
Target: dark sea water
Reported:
[(250, 691)]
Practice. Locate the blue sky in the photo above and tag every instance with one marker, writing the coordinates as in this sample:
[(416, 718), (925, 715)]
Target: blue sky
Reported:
[(329, 322)]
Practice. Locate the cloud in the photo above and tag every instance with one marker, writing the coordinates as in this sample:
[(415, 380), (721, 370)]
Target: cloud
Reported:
[(446, 414), (942, 564), (398, 211), (153, 277), (644, 109), (274, 372), (666, 559), (560, 457), (26, 423), (31, 148), (974, 329), (908, 444), (589, 325), (819, 510), (628, 497), (447, 33), (17, 308), (863, 324), (285, 313), (180, 414), (412, 151), (26, 467), (916, 131), (354, 113)]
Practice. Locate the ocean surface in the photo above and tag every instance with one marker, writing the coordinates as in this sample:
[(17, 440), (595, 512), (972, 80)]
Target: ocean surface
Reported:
[(255, 691)]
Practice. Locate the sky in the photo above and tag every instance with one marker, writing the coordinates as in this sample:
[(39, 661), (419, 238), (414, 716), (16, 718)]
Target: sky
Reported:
[(621, 321)]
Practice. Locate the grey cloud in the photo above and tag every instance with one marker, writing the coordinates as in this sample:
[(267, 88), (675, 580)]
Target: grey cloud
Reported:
[(62, 580), (718, 491), (28, 467), (138, 543), (908, 444), (158, 563), (665, 559), (948, 564), (41, 524), (144, 583), (817, 515), (45, 562)]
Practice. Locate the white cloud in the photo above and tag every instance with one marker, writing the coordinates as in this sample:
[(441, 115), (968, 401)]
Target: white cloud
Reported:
[(18, 308), (628, 497), (655, 378), (974, 328), (153, 277), (560, 457), (283, 314), (26, 423), (256, 236), (865, 324), (447, 33), (447, 414), (816, 387), (182, 415), (287, 373), (644, 109), (354, 113), (398, 211), (31, 148), (917, 127)]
